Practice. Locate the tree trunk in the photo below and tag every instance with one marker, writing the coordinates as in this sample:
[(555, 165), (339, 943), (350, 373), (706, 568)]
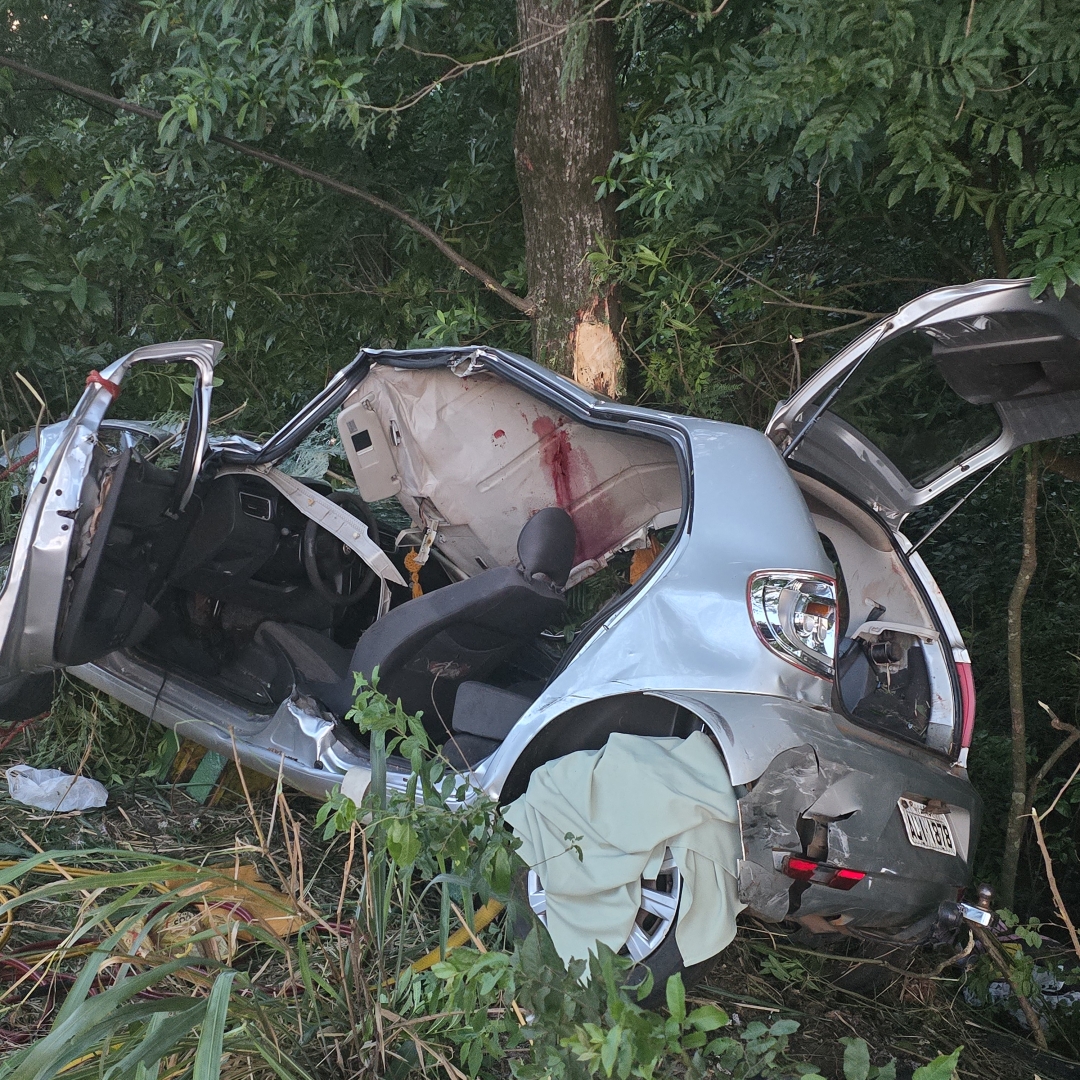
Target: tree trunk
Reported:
[(997, 248), (1019, 807), (567, 132)]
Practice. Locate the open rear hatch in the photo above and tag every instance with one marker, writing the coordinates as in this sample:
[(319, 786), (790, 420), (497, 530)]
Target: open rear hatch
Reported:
[(949, 385)]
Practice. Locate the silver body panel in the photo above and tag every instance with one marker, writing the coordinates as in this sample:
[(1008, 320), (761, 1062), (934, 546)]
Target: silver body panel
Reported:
[(686, 627)]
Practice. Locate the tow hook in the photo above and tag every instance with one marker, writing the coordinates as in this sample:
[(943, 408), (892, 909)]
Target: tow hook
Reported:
[(952, 914)]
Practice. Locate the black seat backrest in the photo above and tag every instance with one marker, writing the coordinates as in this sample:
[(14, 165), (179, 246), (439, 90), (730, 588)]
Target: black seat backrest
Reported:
[(426, 647)]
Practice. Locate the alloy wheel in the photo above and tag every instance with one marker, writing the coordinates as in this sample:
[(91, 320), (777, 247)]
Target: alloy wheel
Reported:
[(655, 917)]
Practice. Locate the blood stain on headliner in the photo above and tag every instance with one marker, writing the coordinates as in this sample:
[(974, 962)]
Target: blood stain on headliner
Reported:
[(573, 477)]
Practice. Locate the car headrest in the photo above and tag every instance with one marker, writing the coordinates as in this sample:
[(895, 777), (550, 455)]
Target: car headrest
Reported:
[(546, 545)]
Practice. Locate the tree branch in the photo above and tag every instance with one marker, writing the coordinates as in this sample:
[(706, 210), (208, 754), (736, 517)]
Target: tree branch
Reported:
[(75, 90), (1061, 749), (820, 307), (1001, 961), (1048, 863), (1066, 466), (786, 302), (1018, 804)]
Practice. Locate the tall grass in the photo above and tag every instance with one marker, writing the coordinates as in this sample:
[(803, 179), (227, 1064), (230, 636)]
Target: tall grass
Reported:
[(127, 965)]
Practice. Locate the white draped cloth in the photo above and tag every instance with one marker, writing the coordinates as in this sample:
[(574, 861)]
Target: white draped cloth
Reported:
[(621, 807)]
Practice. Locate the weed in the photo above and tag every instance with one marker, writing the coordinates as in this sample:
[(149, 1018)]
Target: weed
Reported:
[(92, 733), (122, 966)]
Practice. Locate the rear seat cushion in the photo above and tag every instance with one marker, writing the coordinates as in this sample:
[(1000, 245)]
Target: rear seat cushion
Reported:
[(467, 751), (487, 711)]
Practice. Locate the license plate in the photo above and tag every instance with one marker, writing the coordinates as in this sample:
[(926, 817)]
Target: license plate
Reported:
[(926, 829)]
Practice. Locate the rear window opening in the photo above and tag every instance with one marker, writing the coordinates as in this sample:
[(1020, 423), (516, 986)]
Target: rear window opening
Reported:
[(900, 400)]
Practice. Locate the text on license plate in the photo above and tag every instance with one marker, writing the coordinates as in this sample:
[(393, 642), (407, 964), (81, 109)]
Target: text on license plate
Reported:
[(925, 829)]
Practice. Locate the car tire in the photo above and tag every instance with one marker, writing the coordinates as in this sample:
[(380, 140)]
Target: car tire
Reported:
[(663, 961), (27, 696)]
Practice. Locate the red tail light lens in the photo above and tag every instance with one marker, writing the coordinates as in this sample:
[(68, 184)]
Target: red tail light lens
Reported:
[(967, 703), (845, 879), (802, 869)]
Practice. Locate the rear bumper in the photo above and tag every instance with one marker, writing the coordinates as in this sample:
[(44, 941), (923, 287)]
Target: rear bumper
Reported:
[(823, 788)]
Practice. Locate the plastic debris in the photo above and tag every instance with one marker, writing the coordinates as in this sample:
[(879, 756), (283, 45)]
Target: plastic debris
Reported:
[(238, 895), (51, 789)]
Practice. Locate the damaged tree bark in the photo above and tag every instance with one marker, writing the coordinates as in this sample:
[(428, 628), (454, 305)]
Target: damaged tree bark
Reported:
[(1018, 802), (567, 132)]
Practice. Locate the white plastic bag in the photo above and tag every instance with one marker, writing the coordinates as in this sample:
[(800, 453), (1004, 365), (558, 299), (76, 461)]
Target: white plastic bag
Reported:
[(51, 789)]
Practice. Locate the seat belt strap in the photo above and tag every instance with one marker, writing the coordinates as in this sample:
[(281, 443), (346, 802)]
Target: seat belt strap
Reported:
[(415, 562), (336, 520)]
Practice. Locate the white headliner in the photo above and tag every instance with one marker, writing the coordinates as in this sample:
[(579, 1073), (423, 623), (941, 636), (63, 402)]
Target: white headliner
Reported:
[(478, 453)]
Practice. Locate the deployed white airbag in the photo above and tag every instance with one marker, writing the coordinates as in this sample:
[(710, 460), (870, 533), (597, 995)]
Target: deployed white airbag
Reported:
[(628, 802)]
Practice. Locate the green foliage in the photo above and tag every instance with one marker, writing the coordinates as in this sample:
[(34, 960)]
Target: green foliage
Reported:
[(485, 1009), (124, 1017), (857, 1062), (114, 234), (638, 1042), (774, 156), (577, 1026), (788, 970), (596, 1028), (766, 151), (1035, 969), (786, 172), (462, 851), (87, 729), (943, 1067)]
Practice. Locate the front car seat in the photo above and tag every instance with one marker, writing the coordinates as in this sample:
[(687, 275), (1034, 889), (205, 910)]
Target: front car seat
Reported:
[(426, 647)]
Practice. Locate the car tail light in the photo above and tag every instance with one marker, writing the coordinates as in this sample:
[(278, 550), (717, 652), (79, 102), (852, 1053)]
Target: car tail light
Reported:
[(845, 879), (802, 869), (967, 704), (794, 614)]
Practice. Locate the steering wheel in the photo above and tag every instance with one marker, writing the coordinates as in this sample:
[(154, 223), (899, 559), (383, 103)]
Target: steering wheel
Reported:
[(335, 571)]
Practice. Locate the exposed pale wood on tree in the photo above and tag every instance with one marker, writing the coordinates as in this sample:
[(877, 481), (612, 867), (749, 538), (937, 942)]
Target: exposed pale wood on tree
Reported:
[(595, 351)]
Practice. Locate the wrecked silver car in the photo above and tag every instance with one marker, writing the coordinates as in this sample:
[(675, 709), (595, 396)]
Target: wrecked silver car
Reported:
[(785, 614)]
